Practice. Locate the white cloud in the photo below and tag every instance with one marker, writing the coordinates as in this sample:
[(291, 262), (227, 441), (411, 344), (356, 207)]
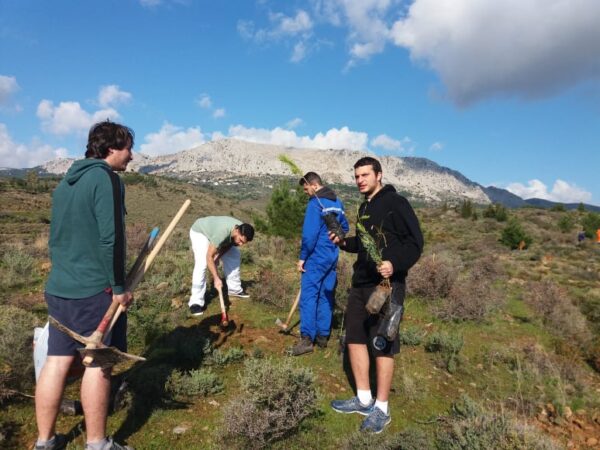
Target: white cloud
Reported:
[(16, 155), (218, 113), (111, 95), (289, 26), (204, 101), (296, 29), (8, 86), (70, 117), (366, 20), (171, 139), (523, 48), (436, 147), (150, 3), (562, 191), (334, 138), (385, 142), (294, 123), (299, 52)]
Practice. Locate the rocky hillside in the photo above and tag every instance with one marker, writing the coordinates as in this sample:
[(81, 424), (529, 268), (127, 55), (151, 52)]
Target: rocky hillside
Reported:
[(423, 179)]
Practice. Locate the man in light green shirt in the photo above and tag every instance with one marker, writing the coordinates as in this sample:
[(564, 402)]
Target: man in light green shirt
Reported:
[(217, 238)]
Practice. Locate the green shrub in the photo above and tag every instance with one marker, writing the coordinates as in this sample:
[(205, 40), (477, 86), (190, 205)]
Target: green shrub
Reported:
[(411, 335), (496, 211), (559, 207), (275, 398), (409, 439), (195, 382), (17, 269), (566, 223), (285, 210), (222, 358), (513, 234), (466, 209), (16, 362), (448, 346), (590, 223)]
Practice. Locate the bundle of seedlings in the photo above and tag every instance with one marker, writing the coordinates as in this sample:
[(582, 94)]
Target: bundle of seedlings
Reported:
[(383, 291)]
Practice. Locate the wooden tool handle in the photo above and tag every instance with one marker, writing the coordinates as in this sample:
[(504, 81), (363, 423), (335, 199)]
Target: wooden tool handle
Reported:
[(118, 308), (139, 275), (294, 306), (223, 310)]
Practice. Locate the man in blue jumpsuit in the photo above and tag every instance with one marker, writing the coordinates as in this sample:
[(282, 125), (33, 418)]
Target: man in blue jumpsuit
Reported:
[(317, 263)]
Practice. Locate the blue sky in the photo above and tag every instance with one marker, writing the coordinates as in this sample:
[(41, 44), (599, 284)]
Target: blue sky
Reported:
[(507, 92)]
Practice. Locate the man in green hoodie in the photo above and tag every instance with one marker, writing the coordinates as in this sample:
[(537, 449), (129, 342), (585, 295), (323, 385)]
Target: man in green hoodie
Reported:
[(87, 251)]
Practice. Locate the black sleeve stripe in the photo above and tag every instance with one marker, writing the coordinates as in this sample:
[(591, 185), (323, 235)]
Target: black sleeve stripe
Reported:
[(119, 246)]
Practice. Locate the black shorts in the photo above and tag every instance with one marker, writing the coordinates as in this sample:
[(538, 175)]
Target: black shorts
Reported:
[(83, 317), (361, 327)]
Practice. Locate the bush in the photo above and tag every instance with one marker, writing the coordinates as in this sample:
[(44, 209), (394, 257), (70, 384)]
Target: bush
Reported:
[(590, 223), (566, 223), (432, 277), (275, 398), (558, 313), (274, 289), (513, 235), (192, 383), (223, 358), (485, 430), (412, 335), (466, 209), (448, 346), (473, 298), (16, 362), (17, 268), (285, 210), (496, 211), (410, 439)]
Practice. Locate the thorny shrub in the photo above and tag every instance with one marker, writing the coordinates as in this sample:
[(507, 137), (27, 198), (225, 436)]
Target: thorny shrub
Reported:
[(409, 439), (470, 426), (473, 297), (275, 398), (16, 363), (432, 277), (552, 303), (273, 288)]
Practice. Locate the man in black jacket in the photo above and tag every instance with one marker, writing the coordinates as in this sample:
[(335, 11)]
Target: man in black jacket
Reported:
[(391, 222)]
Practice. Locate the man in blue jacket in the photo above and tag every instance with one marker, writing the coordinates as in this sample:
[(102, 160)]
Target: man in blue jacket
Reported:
[(317, 263)]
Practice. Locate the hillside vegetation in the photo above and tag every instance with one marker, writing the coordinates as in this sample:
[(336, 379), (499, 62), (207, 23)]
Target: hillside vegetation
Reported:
[(501, 347)]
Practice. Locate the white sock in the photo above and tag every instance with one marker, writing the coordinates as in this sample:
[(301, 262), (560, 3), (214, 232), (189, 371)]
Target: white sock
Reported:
[(48, 443), (99, 445), (364, 396), (383, 406)]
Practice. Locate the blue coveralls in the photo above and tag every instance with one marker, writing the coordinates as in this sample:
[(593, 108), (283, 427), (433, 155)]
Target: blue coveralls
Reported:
[(320, 258)]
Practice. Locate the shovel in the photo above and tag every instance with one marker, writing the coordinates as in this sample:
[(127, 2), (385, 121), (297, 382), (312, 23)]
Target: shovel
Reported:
[(285, 326)]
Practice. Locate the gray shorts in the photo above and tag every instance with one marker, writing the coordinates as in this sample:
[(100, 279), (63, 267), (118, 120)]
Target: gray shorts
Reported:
[(82, 315)]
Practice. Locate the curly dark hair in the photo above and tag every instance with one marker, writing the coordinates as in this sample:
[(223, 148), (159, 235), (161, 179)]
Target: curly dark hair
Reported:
[(106, 135)]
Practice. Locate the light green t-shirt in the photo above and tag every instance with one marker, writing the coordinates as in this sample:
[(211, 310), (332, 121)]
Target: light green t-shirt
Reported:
[(217, 229)]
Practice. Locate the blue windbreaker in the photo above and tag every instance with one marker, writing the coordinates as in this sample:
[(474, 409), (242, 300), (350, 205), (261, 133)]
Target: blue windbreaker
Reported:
[(316, 245)]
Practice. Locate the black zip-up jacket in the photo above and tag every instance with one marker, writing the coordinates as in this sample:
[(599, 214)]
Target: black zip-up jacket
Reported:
[(390, 219)]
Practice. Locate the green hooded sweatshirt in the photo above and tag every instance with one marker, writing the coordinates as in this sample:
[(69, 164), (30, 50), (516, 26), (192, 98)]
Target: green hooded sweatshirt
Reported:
[(87, 232)]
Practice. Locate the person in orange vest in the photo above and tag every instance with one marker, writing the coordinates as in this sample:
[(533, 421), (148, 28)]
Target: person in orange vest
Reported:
[(598, 235)]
